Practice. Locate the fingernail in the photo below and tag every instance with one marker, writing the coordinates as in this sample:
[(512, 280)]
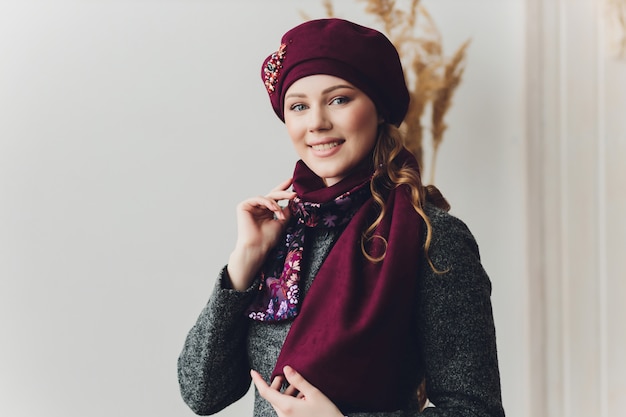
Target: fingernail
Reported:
[(288, 370)]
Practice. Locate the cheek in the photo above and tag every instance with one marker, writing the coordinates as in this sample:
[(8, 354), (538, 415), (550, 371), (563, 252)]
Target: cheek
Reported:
[(293, 130), (366, 123)]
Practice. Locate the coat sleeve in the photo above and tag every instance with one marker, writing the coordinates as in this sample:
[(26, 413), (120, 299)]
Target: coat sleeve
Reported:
[(456, 327), (213, 369)]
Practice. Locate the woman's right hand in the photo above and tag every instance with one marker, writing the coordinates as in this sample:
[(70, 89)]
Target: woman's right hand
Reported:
[(260, 222)]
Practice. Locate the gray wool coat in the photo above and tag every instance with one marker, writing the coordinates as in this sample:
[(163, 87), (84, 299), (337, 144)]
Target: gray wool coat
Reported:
[(454, 324)]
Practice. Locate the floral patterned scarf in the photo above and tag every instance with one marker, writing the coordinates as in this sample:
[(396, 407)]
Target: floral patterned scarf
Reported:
[(279, 294), (354, 333)]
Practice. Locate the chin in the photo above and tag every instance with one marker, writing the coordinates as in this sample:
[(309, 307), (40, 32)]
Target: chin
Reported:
[(327, 174), (323, 171)]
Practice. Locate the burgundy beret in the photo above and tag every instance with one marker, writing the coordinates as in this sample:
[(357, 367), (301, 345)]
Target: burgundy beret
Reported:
[(362, 56)]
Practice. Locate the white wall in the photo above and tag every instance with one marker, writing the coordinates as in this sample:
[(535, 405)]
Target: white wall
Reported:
[(128, 132)]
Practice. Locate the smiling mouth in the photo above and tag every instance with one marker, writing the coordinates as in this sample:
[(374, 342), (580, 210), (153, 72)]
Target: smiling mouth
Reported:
[(325, 146)]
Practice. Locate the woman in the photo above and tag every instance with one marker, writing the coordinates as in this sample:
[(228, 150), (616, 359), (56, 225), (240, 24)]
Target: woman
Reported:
[(360, 290)]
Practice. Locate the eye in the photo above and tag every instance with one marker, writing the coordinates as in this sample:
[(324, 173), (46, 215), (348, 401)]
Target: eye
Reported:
[(340, 100), (297, 107)]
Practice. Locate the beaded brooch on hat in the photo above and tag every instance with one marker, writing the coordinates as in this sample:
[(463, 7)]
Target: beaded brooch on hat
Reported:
[(272, 68)]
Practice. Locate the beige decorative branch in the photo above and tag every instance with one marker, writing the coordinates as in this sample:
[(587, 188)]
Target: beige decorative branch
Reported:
[(452, 74), (616, 20)]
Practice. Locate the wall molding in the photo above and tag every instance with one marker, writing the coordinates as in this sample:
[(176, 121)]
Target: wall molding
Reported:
[(576, 98)]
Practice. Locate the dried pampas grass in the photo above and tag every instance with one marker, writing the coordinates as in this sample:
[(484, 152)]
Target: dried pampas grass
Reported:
[(616, 26)]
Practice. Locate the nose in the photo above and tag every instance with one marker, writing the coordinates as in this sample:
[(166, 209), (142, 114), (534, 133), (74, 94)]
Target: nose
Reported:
[(319, 119)]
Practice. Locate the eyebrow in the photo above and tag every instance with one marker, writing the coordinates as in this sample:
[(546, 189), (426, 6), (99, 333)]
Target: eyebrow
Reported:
[(325, 91)]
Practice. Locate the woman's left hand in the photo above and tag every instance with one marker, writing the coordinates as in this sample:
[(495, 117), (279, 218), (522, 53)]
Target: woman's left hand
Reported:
[(307, 402)]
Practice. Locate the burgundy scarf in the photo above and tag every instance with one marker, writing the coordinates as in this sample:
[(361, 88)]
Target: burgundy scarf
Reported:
[(353, 337)]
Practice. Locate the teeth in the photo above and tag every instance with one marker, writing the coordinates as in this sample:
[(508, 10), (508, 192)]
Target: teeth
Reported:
[(325, 146)]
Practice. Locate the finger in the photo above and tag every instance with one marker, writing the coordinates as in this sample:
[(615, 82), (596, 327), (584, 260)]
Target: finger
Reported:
[(262, 203), (277, 383), (283, 185), (259, 382), (281, 213), (281, 195), (273, 396), (298, 382), (291, 391)]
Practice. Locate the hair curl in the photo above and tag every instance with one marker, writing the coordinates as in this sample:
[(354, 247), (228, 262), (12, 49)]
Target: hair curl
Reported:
[(388, 175)]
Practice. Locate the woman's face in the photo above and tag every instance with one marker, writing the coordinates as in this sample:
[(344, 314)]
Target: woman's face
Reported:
[(333, 125)]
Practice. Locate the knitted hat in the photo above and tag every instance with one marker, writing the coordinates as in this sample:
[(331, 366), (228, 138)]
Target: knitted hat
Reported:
[(362, 56)]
